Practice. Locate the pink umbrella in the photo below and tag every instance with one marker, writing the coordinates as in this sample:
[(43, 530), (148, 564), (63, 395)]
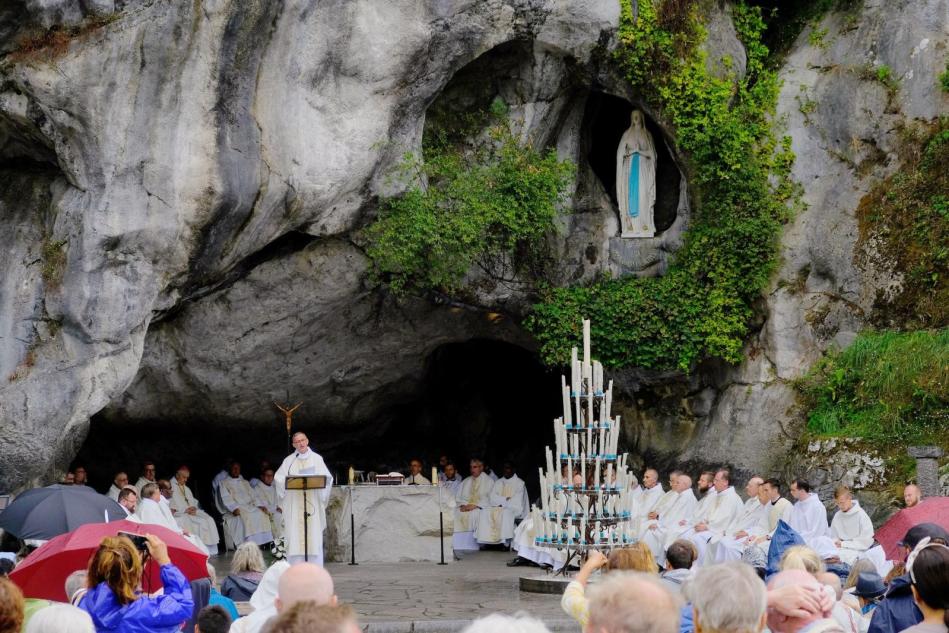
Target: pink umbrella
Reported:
[(43, 573), (931, 510)]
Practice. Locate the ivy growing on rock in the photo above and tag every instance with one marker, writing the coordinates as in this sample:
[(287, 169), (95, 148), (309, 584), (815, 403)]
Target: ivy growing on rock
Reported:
[(740, 177)]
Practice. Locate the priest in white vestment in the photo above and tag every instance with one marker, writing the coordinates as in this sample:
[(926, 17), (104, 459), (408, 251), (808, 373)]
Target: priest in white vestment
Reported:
[(188, 513), (779, 509), (238, 499), (717, 517), (809, 519), (851, 527), (415, 477), (750, 524), (474, 494), (268, 501), (128, 501), (121, 480), (508, 503), (152, 509), (148, 476), (662, 525), (450, 480), (645, 501), (309, 542)]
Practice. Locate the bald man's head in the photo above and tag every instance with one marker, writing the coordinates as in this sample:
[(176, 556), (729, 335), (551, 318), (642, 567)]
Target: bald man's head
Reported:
[(683, 483), (304, 581), (912, 495)]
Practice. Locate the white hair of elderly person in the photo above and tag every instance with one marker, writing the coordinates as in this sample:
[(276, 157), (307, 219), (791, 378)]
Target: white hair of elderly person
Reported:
[(76, 586), (727, 598), (60, 618), (632, 602), (499, 623)]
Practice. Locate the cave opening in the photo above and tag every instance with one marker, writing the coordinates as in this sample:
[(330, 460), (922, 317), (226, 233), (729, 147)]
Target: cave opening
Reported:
[(605, 119), (480, 397)]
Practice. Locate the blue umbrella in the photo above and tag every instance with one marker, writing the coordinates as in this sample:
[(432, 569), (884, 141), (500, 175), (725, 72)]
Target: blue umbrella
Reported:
[(43, 513)]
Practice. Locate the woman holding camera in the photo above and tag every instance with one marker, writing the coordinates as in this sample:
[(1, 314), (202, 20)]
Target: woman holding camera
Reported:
[(114, 600)]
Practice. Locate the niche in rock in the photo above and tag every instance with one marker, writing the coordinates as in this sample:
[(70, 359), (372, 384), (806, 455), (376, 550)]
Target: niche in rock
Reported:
[(478, 398), (605, 120)]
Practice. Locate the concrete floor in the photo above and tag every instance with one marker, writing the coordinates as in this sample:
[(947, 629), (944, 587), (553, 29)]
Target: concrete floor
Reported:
[(405, 597)]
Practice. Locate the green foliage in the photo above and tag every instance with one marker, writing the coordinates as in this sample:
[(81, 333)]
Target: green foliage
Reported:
[(817, 38), (489, 202), (740, 177), (907, 216), (888, 387), (54, 262), (944, 79)]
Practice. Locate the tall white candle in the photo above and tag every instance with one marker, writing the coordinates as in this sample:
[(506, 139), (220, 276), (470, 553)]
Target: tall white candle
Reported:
[(583, 468), (616, 436), (596, 473), (574, 366), (566, 400), (570, 469), (599, 444), (589, 444), (578, 418), (586, 341)]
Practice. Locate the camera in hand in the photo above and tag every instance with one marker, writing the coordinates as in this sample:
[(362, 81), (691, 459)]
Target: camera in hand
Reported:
[(139, 541)]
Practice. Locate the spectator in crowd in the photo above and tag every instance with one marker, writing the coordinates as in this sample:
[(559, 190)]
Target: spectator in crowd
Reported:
[(6, 566), (679, 558), (929, 575), (868, 591), (635, 558), (841, 613), (217, 599), (11, 607), (802, 557), (60, 618), (498, 623), (247, 568), (301, 582), (80, 477), (811, 621), (897, 611), (113, 601), (728, 598), (76, 586), (213, 619), (310, 617), (263, 600), (632, 602)]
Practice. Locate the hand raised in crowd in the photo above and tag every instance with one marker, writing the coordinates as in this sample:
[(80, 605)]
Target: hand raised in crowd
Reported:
[(157, 549), (796, 601)]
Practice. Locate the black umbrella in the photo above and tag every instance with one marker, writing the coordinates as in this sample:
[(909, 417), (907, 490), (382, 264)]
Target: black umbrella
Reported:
[(43, 513)]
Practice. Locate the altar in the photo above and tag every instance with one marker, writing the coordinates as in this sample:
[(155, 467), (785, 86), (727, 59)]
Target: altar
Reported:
[(392, 524)]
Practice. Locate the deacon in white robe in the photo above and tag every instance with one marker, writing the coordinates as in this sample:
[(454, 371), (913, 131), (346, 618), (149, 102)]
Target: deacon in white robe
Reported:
[(267, 498), (474, 494), (450, 480), (524, 544), (717, 518), (779, 509), (809, 519), (508, 503), (644, 502), (303, 543), (188, 513), (152, 509), (750, 524), (238, 499), (415, 477), (851, 527), (148, 476), (675, 506), (120, 481)]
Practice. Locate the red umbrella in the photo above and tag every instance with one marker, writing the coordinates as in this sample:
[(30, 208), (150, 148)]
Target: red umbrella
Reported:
[(43, 573), (931, 510)]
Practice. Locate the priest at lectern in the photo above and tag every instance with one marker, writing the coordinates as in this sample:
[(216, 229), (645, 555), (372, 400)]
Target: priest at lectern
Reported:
[(303, 461)]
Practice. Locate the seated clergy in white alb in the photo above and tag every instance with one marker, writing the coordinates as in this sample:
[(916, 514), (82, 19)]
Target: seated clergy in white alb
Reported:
[(474, 494), (646, 499), (663, 504), (664, 527), (809, 519), (416, 478), (851, 527), (121, 480), (266, 493), (148, 476), (750, 524), (188, 512), (508, 503), (152, 510), (238, 499), (718, 517), (450, 479)]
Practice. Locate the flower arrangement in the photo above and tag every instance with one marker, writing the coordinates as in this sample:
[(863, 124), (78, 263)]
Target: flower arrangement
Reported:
[(279, 548)]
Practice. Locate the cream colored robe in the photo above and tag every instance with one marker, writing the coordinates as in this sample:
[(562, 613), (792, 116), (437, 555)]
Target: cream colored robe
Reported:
[(267, 497), (308, 463), (753, 520), (855, 530), (236, 494), (200, 523), (667, 525), (496, 523), (474, 491)]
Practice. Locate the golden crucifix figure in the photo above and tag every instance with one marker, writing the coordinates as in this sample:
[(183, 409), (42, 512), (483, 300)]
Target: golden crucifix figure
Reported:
[(288, 413)]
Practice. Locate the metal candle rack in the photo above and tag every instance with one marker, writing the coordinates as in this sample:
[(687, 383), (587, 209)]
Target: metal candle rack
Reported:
[(596, 512)]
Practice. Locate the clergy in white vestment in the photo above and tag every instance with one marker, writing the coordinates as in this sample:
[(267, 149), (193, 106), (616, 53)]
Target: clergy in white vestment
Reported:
[(809, 519), (303, 461), (646, 499), (524, 544), (508, 503), (121, 480), (851, 527), (450, 480), (148, 476), (188, 513), (473, 495), (415, 477), (663, 528), (128, 500), (750, 524), (717, 518), (238, 499), (153, 509), (266, 493), (779, 509)]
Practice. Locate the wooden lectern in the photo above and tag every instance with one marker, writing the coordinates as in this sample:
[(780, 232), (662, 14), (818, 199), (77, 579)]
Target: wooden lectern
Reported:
[(306, 483)]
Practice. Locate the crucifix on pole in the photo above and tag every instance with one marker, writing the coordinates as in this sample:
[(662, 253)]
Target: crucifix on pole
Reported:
[(288, 414)]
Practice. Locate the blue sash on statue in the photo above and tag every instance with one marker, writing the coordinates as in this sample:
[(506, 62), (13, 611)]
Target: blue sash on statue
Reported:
[(634, 186)]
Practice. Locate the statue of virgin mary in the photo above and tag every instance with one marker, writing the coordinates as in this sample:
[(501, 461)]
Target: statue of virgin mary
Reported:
[(636, 179)]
